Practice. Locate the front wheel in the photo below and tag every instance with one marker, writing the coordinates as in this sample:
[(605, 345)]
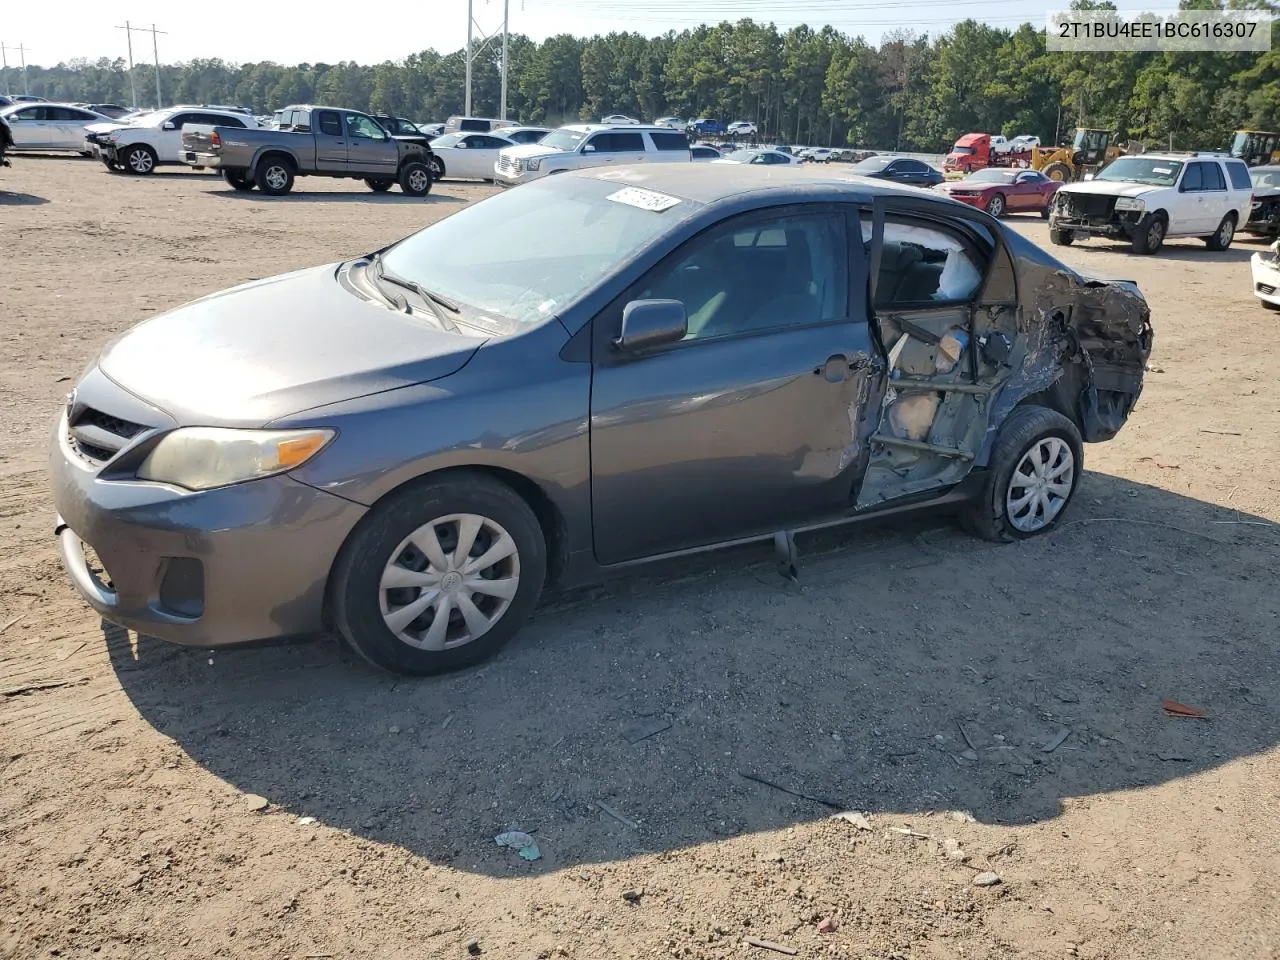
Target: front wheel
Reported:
[(1035, 469), (439, 576), (140, 159), (1149, 236), (996, 206), (436, 166), (415, 179), (1063, 238), (379, 185), (1223, 236)]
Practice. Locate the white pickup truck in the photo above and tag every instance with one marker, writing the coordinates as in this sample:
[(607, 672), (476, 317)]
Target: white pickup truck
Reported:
[(1152, 196), (589, 145), (155, 138)]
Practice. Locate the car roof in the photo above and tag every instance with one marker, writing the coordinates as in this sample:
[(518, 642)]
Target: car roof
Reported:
[(1264, 167), (628, 127), (694, 181)]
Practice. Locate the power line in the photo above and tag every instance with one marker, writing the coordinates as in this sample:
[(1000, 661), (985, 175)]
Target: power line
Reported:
[(129, 31), (22, 56)]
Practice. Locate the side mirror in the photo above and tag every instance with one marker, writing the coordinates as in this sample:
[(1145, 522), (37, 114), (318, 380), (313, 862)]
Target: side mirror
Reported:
[(1088, 176), (652, 323), (460, 145), (589, 148), (169, 125)]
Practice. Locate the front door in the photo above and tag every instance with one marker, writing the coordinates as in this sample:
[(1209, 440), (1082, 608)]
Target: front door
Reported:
[(331, 141), (30, 128), (370, 150), (754, 421)]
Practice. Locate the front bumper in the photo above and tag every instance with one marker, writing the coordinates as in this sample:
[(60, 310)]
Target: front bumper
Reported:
[(1120, 224), (1266, 278), (212, 568), (974, 200), (508, 175)]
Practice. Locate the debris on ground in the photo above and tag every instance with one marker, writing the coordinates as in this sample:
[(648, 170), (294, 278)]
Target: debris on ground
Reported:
[(521, 842), (1057, 740), (632, 896), (1176, 709), (828, 925), (859, 820), (473, 948), (986, 879), (908, 832), (770, 945), (794, 793), (953, 851), (624, 820), (646, 729), (255, 802)]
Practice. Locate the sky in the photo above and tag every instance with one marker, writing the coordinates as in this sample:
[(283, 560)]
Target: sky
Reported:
[(87, 28)]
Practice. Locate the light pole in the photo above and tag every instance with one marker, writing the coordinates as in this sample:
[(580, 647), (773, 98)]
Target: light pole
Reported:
[(155, 49)]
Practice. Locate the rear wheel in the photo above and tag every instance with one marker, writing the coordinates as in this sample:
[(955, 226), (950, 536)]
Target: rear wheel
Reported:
[(1063, 238), (139, 159), (439, 576), (379, 185), (1035, 469), (274, 176), (1223, 236), (238, 181), (415, 179)]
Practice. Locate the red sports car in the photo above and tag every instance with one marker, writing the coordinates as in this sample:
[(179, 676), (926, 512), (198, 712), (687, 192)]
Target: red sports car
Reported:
[(999, 191)]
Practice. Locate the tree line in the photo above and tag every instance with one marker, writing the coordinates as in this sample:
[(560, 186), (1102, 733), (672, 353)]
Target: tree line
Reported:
[(909, 92)]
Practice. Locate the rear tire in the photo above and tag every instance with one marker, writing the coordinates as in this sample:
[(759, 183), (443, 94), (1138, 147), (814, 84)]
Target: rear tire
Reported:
[(274, 176), (1223, 236), (379, 186), (237, 181), (1063, 238), (415, 179), (473, 623), (139, 159), (1034, 473)]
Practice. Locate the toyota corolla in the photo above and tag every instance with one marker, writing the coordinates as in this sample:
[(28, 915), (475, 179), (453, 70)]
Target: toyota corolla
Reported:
[(410, 446)]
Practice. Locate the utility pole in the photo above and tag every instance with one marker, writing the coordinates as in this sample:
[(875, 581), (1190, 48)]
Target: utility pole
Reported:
[(506, 10), (470, 22), (155, 49), (133, 88), (22, 57)]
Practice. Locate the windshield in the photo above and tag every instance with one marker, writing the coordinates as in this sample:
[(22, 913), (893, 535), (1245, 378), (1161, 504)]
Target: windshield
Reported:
[(992, 176), (1240, 144), (1265, 179), (525, 279), (448, 140), (873, 163), (1154, 172), (742, 156), (148, 119), (962, 151), (563, 139)]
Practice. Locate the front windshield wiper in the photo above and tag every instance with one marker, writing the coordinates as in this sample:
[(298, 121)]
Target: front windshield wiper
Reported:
[(429, 298)]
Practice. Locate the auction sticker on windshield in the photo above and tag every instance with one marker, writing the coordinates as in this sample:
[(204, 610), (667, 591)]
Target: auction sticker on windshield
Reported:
[(644, 199)]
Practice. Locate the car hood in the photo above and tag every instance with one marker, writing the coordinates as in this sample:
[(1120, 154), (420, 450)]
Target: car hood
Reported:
[(525, 150), (105, 126), (968, 186), (257, 352), (1110, 188)]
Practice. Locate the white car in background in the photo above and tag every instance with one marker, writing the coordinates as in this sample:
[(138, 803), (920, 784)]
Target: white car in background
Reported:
[(590, 145), (466, 156), (618, 118), (675, 123), (1023, 143), (703, 153), (742, 128), (50, 126), (525, 134), (763, 157), (818, 155), (152, 139)]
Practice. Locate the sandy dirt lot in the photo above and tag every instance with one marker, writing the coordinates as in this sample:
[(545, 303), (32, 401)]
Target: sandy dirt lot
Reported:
[(289, 802)]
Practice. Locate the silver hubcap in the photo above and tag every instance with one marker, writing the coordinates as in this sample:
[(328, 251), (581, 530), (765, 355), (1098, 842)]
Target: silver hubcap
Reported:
[(436, 169), (418, 180), (997, 206), (140, 160), (1041, 485), (1155, 234), (276, 178), (1226, 232), (449, 581)]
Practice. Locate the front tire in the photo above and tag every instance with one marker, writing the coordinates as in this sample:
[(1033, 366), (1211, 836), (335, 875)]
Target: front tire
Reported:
[(140, 159), (1058, 171), (1063, 238), (415, 179), (1035, 470), (274, 176), (1223, 236), (996, 206), (440, 575), (436, 166), (1149, 237)]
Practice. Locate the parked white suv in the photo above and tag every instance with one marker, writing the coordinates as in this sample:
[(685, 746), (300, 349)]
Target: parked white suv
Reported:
[(151, 139), (1152, 196), (589, 145)]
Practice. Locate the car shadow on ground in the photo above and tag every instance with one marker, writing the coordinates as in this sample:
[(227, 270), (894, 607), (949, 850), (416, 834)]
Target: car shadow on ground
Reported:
[(20, 199), (368, 196), (912, 668)]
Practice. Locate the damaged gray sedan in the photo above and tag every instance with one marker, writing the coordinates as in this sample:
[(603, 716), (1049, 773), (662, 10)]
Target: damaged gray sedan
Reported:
[(411, 446)]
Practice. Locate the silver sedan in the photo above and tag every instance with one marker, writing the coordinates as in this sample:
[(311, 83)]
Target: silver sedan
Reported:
[(49, 126)]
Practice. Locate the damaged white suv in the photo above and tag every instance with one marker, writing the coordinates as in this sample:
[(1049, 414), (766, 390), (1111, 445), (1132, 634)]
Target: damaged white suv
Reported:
[(1148, 198)]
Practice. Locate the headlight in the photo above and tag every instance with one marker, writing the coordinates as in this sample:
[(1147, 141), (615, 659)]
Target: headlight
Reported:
[(1130, 203), (201, 458), (532, 163), (113, 137)]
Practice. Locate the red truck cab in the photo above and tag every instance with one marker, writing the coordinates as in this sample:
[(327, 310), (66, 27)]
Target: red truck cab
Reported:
[(971, 152)]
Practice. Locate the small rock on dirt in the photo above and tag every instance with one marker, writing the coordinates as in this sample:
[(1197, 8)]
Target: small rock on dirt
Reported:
[(859, 820), (255, 802), (828, 925), (987, 879), (970, 755), (632, 896), (473, 948)]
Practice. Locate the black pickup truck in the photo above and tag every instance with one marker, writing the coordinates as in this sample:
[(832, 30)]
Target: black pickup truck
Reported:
[(310, 141)]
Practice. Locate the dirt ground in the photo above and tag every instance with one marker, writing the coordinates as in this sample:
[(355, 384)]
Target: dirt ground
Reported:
[(914, 674)]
